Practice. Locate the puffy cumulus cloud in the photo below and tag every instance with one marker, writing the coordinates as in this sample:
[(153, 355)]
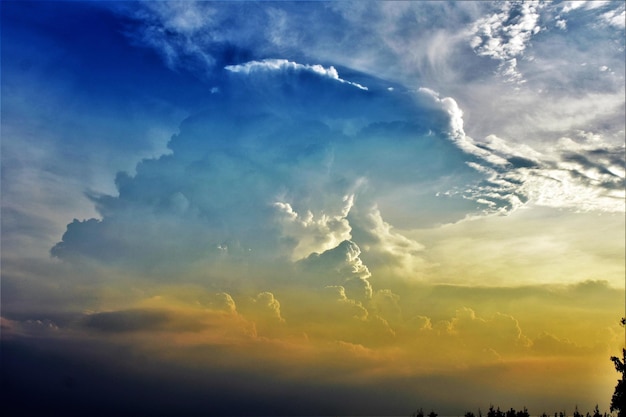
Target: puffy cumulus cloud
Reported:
[(501, 31), (270, 173), (270, 304), (347, 307), (332, 338), (383, 247), (500, 332), (450, 106), (386, 305), (470, 338), (340, 266), (331, 314), (258, 199), (263, 309), (548, 344), (222, 301), (315, 233)]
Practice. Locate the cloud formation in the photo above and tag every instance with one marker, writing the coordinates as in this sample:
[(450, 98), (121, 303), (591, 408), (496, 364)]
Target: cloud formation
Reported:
[(581, 174), (276, 177), (504, 35), (285, 65), (394, 199)]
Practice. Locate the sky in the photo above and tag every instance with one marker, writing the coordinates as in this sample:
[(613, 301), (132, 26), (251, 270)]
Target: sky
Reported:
[(311, 208)]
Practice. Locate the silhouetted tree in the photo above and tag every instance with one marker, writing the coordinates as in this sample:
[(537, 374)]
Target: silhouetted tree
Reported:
[(432, 414), (469, 414), (596, 412), (618, 401), (495, 412), (418, 413), (576, 412)]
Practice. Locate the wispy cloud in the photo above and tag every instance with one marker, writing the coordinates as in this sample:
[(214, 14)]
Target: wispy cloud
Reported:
[(504, 35), (285, 65)]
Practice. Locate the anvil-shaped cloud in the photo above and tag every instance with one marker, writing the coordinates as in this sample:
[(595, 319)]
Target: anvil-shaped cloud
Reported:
[(281, 164)]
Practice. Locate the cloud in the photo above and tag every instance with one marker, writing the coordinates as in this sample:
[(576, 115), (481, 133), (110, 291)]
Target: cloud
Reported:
[(175, 31), (299, 224), (168, 314), (269, 173), (223, 301), (504, 35), (615, 18), (386, 304), (383, 247), (584, 4), (29, 328), (548, 344), (500, 332), (315, 234), (285, 66), (341, 266), (127, 320), (586, 174), (269, 305)]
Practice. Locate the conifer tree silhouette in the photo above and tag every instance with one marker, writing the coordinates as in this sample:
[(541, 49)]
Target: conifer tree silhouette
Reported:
[(618, 402)]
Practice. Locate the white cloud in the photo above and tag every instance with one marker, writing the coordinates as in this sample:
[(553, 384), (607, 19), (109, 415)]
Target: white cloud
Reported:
[(450, 106), (341, 266), (596, 4), (385, 248), (615, 18), (285, 65), (172, 29), (183, 16), (504, 36), (586, 175), (568, 6), (315, 233)]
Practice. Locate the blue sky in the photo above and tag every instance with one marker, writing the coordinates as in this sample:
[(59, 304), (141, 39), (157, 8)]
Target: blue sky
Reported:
[(356, 191)]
